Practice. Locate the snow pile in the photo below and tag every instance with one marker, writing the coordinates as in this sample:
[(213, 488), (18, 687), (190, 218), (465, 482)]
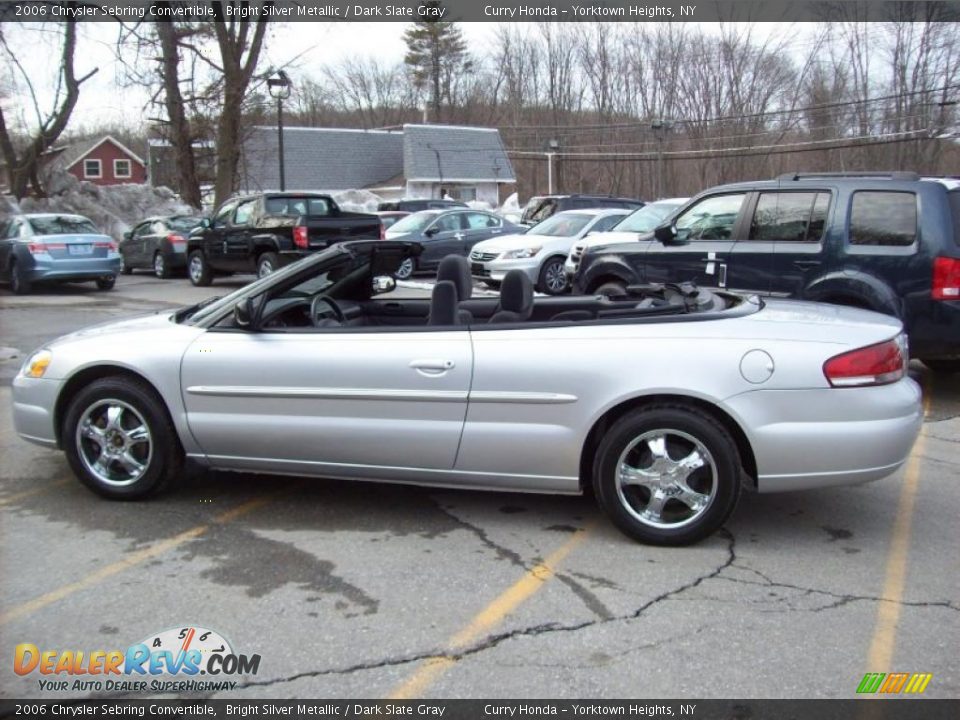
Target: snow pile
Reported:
[(511, 209), (114, 209), (356, 200)]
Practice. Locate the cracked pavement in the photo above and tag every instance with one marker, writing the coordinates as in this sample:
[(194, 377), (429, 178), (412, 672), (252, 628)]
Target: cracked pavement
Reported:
[(345, 589)]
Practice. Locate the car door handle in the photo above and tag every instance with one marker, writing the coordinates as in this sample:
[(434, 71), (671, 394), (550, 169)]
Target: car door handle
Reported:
[(806, 264), (458, 236), (432, 365)]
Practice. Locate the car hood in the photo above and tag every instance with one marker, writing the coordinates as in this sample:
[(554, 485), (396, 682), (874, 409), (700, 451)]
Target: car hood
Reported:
[(601, 240), (152, 322), (513, 242)]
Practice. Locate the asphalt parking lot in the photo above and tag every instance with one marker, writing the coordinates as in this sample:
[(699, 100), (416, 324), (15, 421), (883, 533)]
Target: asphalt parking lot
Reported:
[(370, 590)]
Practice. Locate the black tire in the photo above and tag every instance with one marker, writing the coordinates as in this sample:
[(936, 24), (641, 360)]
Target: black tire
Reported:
[(267, 263), (160, 455), (106, 283), (686, 430), (406, 269), (19, 285), (553, 278), (942, 365), (198, 270), (124, 266), (160, 267), (611, 290)]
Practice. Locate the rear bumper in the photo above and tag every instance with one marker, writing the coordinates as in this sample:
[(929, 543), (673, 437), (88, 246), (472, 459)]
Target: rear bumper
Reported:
[(73, 269), (934, 329), (33, 402), (804, 439)]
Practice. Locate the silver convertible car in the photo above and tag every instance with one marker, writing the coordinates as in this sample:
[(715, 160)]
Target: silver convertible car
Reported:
[(665, 402)]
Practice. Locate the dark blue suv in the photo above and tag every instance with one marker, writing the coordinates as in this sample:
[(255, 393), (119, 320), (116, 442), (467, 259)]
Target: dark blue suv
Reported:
[(888, 242)]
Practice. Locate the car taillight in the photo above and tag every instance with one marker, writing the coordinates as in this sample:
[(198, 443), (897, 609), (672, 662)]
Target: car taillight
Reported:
[(878, 364), (43, 248), (300, 238), (112, 246), (946, 279), (177, 241)]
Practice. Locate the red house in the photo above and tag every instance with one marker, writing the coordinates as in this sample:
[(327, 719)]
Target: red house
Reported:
[(108, 162)]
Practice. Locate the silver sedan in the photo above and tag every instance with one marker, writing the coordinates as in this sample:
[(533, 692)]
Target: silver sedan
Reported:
[(665, 402)]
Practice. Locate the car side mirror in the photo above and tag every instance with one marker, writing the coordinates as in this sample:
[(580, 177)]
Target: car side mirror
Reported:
[(243, 314), (430, 232), (667, 234), (127, 235), (205, 223), (383, 284)]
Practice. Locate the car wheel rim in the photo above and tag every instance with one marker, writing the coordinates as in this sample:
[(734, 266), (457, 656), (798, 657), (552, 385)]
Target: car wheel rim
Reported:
[(406, 269), (266, 267), (196, 269), (666, 479), (555, 277), (158, 266), (114, 442)]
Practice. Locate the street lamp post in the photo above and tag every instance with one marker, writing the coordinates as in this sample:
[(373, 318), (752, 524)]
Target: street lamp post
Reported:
[(552, 147), (660, 127), (279, 88)]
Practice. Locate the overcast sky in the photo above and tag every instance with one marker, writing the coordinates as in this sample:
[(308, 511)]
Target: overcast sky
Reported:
[(104, 100)]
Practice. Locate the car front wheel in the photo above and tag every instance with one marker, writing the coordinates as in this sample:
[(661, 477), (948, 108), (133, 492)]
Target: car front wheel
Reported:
[(119, 440), (19, 284), (553, 277), (198, 269), (667, 474), (406, 269)]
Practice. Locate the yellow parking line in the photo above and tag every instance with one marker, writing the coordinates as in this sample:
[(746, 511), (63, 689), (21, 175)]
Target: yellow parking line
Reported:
[(10, 499), (135, 558), (880, 654), (432, 668)]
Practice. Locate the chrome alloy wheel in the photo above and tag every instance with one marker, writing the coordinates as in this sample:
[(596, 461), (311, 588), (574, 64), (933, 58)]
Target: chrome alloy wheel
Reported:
[(114, 442), (159, 265), (266, 267), (666, 478), (196, 269), (555, 277), (405, 270)]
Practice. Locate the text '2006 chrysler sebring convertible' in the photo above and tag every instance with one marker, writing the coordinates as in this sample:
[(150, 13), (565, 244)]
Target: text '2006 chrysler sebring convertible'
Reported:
[(665, 401)]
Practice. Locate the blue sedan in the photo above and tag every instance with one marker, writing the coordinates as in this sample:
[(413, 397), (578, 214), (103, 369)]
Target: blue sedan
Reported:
[(56, 248)]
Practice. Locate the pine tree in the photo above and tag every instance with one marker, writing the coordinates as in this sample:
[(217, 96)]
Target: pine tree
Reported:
[(436, 52)]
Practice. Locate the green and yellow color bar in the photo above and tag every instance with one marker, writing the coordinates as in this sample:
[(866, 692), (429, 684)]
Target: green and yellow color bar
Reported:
[(913, 683)]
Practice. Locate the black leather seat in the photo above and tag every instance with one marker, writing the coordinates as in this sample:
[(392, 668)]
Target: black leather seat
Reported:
[(443, 304), (456, 269), (516, 298)]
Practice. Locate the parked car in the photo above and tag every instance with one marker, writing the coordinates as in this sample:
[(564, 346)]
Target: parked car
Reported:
[(888, 242), (389, 217), (158, 243), (412, 206), (261, 233), (542, 251), (636, 225), (445, 232), (55, 247), (663, 403), (540, 207)]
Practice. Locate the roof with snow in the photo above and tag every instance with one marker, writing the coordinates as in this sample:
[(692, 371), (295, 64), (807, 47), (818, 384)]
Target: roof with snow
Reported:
[(447, 153)]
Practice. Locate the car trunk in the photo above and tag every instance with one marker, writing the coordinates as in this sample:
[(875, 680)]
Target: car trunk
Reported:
[(74, 247)]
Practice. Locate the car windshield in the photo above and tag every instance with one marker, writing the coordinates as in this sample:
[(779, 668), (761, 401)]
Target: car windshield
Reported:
[(646, 218), (562, 225), (413, 223), (62, 225), (183, 224)]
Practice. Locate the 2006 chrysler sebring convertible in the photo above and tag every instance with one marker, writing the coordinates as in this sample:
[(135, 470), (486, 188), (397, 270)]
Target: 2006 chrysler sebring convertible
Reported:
[(665, 401)]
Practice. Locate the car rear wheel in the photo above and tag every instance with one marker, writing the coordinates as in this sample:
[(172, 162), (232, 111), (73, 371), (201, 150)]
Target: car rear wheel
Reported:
[(199, 270), (667, 474), (611, 290), (553, 278), (160, 267), (267, 263), (406, 269), (19, 284), (941, 365), (119, 440), (106, 283)]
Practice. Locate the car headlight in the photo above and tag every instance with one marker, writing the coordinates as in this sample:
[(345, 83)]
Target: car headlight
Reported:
[(37, 364), (527, 252)]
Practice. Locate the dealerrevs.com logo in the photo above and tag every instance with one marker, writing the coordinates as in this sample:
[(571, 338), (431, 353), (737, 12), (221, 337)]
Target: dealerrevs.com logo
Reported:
[(169, 661)]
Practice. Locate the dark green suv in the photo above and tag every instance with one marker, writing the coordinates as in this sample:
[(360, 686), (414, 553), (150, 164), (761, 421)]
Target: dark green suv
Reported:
[(888, 242)]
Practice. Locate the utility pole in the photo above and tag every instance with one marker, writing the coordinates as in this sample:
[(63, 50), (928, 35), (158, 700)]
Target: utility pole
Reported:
[(553, 146), (279, 88)]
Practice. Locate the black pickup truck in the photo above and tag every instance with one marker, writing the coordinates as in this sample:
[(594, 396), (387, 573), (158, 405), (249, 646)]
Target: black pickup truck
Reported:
[(260, 233)]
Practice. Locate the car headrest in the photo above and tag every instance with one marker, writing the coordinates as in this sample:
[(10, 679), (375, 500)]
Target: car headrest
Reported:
[(516, 293), (443, 304), (456, 269)]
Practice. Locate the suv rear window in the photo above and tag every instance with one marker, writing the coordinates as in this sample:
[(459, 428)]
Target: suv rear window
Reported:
[(883, 218)]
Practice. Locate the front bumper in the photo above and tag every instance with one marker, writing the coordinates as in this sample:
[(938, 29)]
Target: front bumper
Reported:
[(804, 439), (34, 400), (73, 269), (496, 269), (570, 268)]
